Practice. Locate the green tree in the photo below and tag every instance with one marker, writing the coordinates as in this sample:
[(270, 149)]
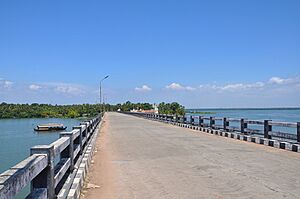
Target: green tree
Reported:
[(171, 108)]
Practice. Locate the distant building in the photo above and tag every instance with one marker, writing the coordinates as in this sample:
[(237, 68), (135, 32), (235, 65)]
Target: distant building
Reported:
[(155, 107), (154, 110)]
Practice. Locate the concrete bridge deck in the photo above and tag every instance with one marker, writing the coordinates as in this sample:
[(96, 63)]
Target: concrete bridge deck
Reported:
[(138, 158)]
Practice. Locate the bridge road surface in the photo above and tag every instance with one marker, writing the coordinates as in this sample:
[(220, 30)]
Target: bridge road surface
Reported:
[(139, 158)]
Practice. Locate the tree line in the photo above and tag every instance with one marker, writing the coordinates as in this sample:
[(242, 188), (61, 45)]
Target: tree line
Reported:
[(36, 110), (127, 106), (47, 110), (173, 108)]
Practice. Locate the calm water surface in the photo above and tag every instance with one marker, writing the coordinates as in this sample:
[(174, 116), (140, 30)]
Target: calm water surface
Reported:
[(282, 115)]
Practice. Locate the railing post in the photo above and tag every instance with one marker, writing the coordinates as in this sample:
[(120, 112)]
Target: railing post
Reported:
[(200, 121), (46, 178), (84, 134), (80, 137), (92, 126), (225, 124), (69, 151), (88, 124), (212, 122), (243, 125), (298, 131), (87, 130), (267, 128)]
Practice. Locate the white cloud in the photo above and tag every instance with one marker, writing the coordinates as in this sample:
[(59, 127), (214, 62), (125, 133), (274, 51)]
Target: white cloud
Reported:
[(68, 89), (233, 86), (272, 83), (209, 86), (176, 86), (240, 86), (5, 83), (277, 80), (60, 87), (258, 85), (144, 88), (190, 88), (34, 87)]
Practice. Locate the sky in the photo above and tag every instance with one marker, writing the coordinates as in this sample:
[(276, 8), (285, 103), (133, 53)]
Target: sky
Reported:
[(199, 53)]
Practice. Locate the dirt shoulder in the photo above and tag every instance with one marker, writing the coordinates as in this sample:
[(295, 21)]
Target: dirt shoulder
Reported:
[(99, 182)]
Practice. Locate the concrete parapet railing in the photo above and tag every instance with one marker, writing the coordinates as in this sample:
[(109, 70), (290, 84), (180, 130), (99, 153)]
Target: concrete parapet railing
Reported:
[(49, 166), (236, 128)]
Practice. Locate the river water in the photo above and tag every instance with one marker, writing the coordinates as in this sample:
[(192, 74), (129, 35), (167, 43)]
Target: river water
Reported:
[(17, 136), (280, 114)]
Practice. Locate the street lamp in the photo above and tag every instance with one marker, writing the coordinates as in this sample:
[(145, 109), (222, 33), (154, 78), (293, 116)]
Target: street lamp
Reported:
[(100, 91)]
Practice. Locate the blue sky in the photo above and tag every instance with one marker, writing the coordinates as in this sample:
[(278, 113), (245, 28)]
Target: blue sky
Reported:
[(199, 53)]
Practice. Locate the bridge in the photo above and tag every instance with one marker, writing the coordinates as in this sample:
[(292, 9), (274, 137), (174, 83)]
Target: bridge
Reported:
[(152, 159), (161, 156)]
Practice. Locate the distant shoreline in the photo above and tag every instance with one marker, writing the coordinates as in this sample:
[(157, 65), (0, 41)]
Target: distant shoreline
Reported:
[(280, 108), (75, 118)]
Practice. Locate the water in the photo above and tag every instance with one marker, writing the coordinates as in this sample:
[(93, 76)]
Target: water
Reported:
[(280, 114), (17, 136)]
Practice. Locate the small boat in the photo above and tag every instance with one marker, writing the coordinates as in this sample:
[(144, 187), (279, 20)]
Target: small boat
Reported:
[(50, 127)]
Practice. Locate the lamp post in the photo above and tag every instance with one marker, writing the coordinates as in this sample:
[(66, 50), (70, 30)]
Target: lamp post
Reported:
[(100, 91)]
